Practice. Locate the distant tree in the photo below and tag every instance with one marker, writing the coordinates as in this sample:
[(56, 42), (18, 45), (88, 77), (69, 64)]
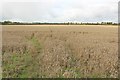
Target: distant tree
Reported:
[(7, 22), (106, 23), (109, 23)]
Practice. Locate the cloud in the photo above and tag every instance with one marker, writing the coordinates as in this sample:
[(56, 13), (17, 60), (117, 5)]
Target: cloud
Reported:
[(60, 10)]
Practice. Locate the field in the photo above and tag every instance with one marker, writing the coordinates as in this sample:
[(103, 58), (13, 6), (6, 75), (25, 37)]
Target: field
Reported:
[(60, 51)]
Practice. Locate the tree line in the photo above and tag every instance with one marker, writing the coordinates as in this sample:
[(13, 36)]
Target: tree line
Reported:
[(67, 23)]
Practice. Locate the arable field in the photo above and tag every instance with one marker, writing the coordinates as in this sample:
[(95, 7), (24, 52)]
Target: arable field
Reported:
[(60, 51)]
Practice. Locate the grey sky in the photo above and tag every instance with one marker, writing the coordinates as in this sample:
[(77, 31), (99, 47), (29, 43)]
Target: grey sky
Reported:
[(60, 10)]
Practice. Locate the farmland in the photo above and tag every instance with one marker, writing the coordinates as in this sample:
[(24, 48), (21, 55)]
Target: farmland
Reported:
[(60, 51)]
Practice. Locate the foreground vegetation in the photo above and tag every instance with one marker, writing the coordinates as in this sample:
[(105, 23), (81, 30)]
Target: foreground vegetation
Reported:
[(60, 52)]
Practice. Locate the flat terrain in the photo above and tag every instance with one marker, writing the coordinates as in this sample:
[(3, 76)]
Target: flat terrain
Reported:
[(60, 51)]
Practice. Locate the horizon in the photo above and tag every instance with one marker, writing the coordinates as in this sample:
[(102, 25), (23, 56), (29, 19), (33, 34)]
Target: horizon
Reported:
[(55, 22)]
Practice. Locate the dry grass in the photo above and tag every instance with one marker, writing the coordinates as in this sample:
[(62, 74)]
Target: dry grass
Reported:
[(60, 51)]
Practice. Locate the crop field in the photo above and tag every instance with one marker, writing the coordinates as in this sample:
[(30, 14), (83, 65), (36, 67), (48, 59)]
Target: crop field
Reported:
[(60, 51)]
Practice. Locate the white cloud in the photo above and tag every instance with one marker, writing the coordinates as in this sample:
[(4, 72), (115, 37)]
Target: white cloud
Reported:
[(60, 10)]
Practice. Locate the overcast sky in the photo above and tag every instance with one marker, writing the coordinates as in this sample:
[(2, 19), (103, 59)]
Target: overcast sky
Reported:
[(59, 10)]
